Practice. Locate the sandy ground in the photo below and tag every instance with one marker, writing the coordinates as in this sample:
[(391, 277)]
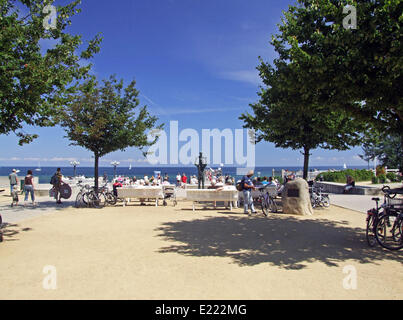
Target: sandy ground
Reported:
[(173, 253)]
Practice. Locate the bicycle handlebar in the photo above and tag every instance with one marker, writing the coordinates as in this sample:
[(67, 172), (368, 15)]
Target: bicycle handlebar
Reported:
[(391, 193)]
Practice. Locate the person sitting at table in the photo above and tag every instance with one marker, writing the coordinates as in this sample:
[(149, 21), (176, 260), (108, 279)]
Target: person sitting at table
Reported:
[(272, 182), (194, 180)]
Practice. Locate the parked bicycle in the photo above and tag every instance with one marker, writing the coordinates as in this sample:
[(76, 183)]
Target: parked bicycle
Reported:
[(266, 199), (105, 196), (389, 227), (373, 216), (88, 197), (318, 198)]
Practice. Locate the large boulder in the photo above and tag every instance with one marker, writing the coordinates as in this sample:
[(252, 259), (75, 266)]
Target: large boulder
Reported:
[(296, 198)]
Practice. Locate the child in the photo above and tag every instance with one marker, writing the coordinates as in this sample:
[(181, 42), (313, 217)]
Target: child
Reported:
[(14, 194)]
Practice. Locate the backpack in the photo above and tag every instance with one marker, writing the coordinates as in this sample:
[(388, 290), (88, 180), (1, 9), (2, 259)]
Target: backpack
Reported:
[(239, 185)]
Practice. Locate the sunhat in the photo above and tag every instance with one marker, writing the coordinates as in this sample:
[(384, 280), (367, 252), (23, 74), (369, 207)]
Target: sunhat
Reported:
[(250, 173)]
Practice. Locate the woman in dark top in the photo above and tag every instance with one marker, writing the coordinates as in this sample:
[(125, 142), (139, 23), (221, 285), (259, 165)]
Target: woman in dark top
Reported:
[(29, 186)]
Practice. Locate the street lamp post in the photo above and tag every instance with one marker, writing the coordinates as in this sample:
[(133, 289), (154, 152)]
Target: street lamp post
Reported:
[(75, 164), (201, 164), (115, 164)]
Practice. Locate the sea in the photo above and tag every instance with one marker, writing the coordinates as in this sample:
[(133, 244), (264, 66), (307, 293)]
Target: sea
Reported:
[(46, 173)]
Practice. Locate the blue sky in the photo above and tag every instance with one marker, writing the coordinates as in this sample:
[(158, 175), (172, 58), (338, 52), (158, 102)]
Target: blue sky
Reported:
[(194, 62)]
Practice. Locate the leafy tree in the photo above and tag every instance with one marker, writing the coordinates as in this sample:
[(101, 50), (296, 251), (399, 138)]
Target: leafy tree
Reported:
[(33, 83), (358, 71), (287, 118), (385, 147), (106, 118)]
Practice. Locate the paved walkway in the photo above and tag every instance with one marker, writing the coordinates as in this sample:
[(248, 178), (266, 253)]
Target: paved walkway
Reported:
[(359, 203), (45, 205)]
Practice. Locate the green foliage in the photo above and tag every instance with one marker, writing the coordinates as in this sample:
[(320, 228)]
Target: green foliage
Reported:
[(341, 176), (290, 114), (33, 83), (358, 71), (392, 177), (279, 179), (375, 180), (107, 118), (386, 148), (382, 178)]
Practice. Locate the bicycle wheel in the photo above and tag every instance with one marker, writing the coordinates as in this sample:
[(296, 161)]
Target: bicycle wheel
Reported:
[(103, 200), (313, 203), (79, 200), (370, 233), (91, 199), (111, 198), (86, 200), (326, 201), (272, 205), (264, 207), (388, 232), (97, 199)]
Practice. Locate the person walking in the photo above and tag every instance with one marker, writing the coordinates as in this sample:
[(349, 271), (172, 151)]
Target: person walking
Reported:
[(29, 187), (13, 180), (248, 186), (57, 183)]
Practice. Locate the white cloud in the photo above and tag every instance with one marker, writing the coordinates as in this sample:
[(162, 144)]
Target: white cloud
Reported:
[(55, 159), (248, 76), (175, 111)]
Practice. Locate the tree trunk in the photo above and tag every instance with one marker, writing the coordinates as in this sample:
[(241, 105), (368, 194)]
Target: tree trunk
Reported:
[(306, 162), (96, 170)]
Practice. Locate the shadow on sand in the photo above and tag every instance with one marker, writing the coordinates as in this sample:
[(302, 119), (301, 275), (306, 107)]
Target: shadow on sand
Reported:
[(43, 205), (285, 242), (10, 231)]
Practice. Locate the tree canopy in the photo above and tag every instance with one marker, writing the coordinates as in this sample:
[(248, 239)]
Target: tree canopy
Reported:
[(386, 148), (287, 117), (107, 118), (34, 84), (355, 70)]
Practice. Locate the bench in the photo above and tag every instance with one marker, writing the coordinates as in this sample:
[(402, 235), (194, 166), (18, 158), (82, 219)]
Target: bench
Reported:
[(140, 193), (212, 195)]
